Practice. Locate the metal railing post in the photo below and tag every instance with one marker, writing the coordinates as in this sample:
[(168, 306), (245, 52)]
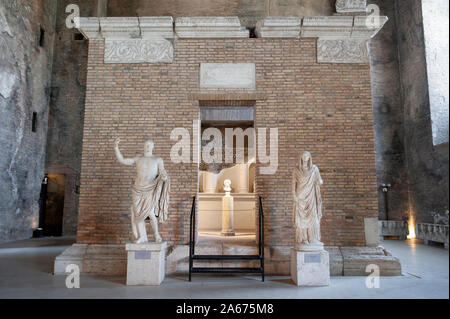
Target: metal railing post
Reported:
[(191, 238), (261, 236)]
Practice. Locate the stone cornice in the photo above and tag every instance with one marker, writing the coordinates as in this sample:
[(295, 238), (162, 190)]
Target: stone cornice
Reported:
[(330, 27), (120, 28), (156, 26), (279, 27), (127, 27), (210, 27), (341, 39), (327, 27)]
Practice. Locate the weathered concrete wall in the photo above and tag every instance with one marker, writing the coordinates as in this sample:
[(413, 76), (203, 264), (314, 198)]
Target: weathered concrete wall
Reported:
[(388, 116), (25, 73), (249, 11), (427, 164), (65, 124)]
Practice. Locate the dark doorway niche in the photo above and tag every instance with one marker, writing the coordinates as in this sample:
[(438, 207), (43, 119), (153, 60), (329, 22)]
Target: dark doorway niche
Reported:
[(78, 37), (34, 122), (235, 116), (42, 37), (54, 206)]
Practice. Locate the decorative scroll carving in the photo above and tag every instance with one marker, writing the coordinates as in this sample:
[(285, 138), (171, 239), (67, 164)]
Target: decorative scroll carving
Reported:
[(155, 50), (343, 6), (342, 51)]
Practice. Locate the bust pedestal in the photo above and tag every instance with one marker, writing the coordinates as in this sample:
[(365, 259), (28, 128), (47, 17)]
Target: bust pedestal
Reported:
[(227, 215), (146, 264), (310, 266)]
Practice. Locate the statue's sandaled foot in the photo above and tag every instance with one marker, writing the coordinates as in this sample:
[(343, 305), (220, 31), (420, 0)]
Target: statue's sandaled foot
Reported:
[(158, 239), (142, 240)]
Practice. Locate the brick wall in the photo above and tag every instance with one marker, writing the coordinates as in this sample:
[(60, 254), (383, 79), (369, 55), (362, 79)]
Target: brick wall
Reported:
[(323, 108)]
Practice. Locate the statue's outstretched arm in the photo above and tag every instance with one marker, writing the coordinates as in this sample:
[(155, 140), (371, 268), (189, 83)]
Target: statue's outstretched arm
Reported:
[(125, 161)]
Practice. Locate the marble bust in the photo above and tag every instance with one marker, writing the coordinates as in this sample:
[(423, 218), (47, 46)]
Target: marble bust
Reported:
[(150, 192), (227, 187), (307, 211)]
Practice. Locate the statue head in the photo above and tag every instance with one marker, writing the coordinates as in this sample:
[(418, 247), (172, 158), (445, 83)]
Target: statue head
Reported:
[(227, 185), (148, 148), (305, 161)]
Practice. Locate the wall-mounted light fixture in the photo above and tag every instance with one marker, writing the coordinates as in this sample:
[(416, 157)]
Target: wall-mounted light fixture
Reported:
[(385, 187)]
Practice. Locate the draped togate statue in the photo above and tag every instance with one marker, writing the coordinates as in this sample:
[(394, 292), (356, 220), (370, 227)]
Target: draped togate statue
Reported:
[(150, 192), (307, 204)]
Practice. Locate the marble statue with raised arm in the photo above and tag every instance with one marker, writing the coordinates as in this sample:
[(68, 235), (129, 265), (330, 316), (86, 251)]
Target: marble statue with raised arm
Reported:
[(307, 211), (150, 192)]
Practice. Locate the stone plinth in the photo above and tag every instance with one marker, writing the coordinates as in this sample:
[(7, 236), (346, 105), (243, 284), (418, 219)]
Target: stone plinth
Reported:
[(73, 255), (356, 260), (146, 264), (310, 268)]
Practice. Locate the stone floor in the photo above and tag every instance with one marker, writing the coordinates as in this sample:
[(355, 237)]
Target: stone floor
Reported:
[(26, 272)]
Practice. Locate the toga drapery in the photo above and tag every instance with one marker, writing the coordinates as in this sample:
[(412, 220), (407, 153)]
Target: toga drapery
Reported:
[(307, 205), (151, 198)]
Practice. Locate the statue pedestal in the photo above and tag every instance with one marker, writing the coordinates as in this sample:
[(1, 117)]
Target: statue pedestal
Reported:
[(227, 216), (146, 264), (310, 267)]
